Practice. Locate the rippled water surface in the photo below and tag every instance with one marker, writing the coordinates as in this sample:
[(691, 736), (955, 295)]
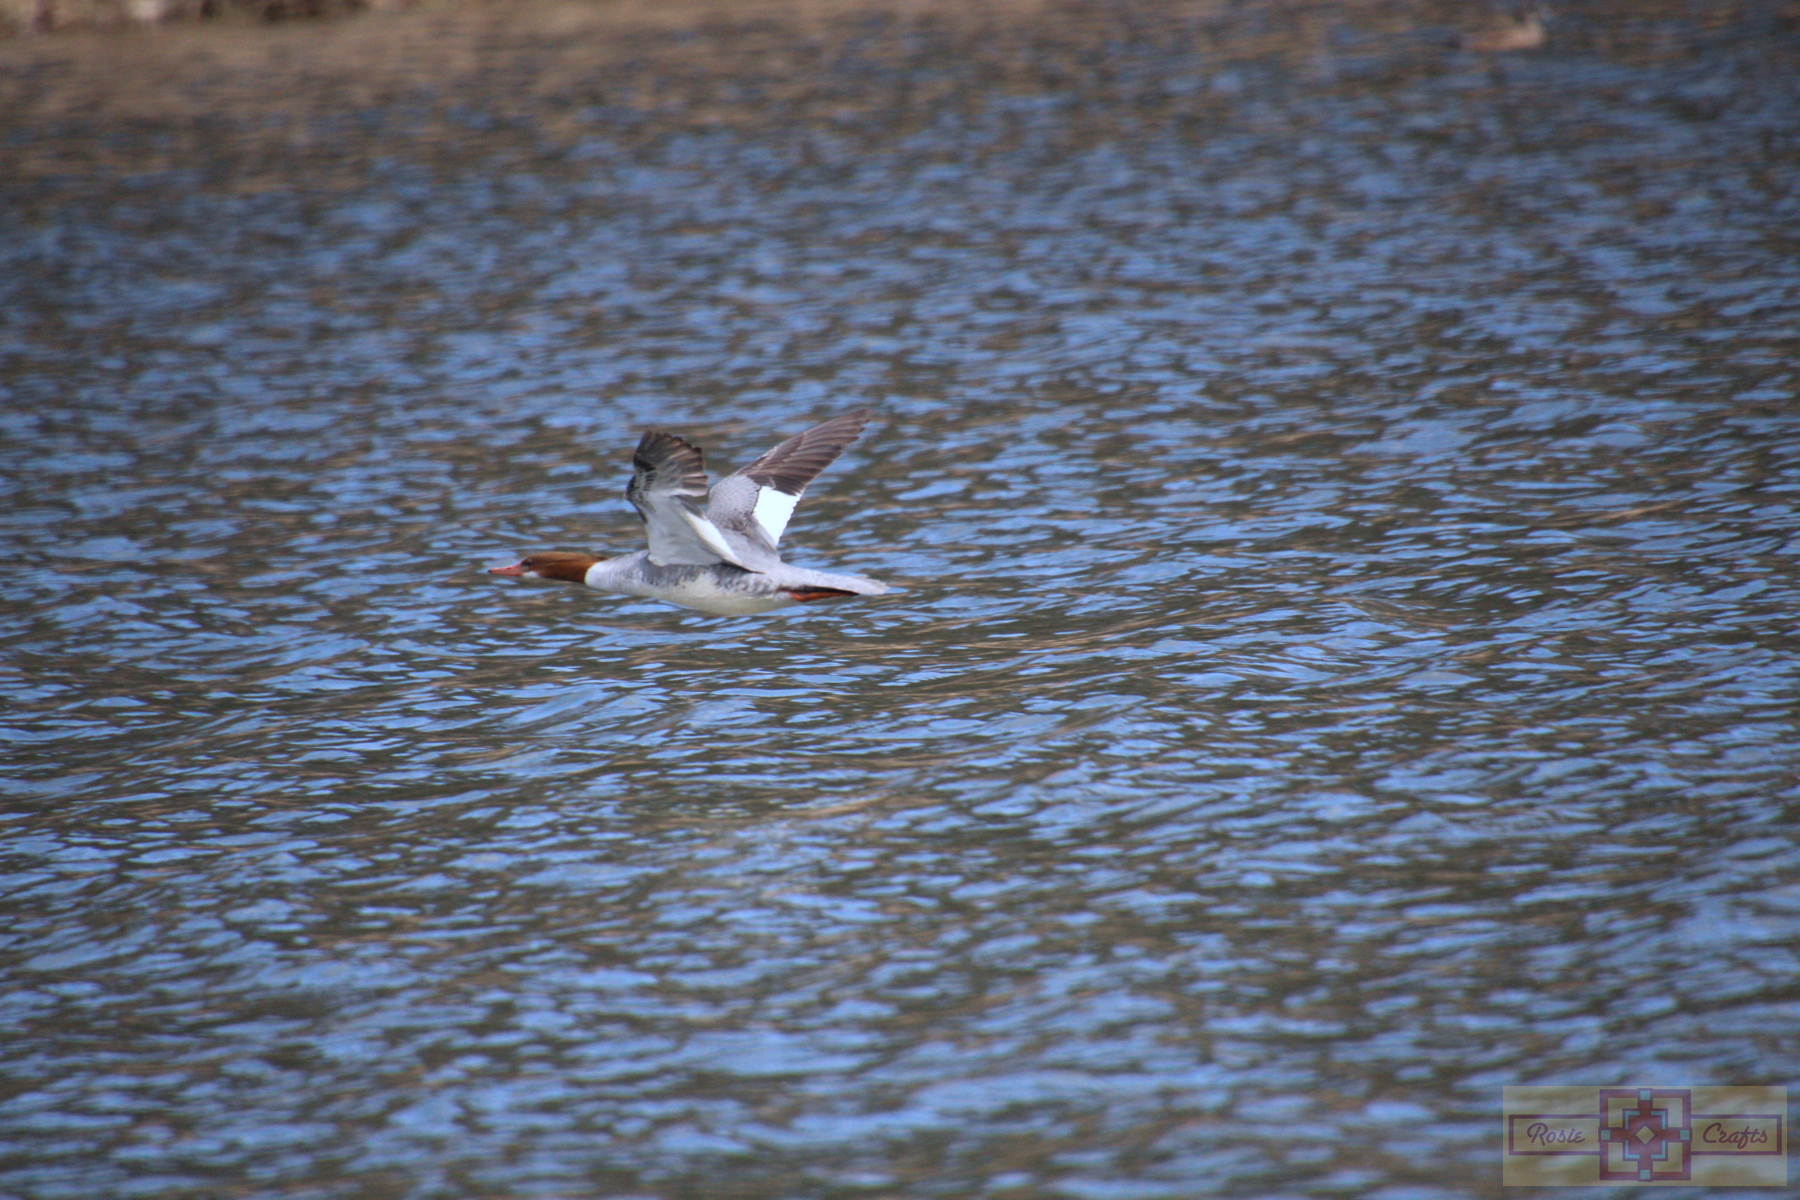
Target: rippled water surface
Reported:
[(1346, 496)]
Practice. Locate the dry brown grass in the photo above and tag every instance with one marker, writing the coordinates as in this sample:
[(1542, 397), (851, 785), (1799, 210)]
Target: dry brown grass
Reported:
[(113, 95)]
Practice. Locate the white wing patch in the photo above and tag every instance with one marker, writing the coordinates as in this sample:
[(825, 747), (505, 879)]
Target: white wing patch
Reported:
[(773, 508), (710, 537)]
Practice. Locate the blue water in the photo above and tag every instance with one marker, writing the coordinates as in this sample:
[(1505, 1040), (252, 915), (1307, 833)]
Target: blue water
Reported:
[(1347, 506)]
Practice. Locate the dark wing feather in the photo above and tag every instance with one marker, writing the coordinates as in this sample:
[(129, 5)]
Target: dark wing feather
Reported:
[(665, 466), (752, 506), (789, 467), (668, 489)]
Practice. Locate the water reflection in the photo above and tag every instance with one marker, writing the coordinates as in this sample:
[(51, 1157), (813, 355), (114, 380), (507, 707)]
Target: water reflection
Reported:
[(1345, 500)]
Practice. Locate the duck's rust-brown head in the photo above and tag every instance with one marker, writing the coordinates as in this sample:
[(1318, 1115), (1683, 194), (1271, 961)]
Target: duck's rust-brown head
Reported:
[(568, 565)]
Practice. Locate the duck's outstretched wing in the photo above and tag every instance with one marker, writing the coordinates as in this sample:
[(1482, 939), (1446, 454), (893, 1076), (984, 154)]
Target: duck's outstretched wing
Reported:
[(668, 488), (751, 506)]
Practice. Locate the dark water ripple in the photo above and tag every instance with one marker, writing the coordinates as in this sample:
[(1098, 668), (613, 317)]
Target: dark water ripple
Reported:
[(1347, 662)]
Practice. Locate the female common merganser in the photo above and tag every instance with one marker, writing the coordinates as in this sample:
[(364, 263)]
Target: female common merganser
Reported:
[(720, 558)]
